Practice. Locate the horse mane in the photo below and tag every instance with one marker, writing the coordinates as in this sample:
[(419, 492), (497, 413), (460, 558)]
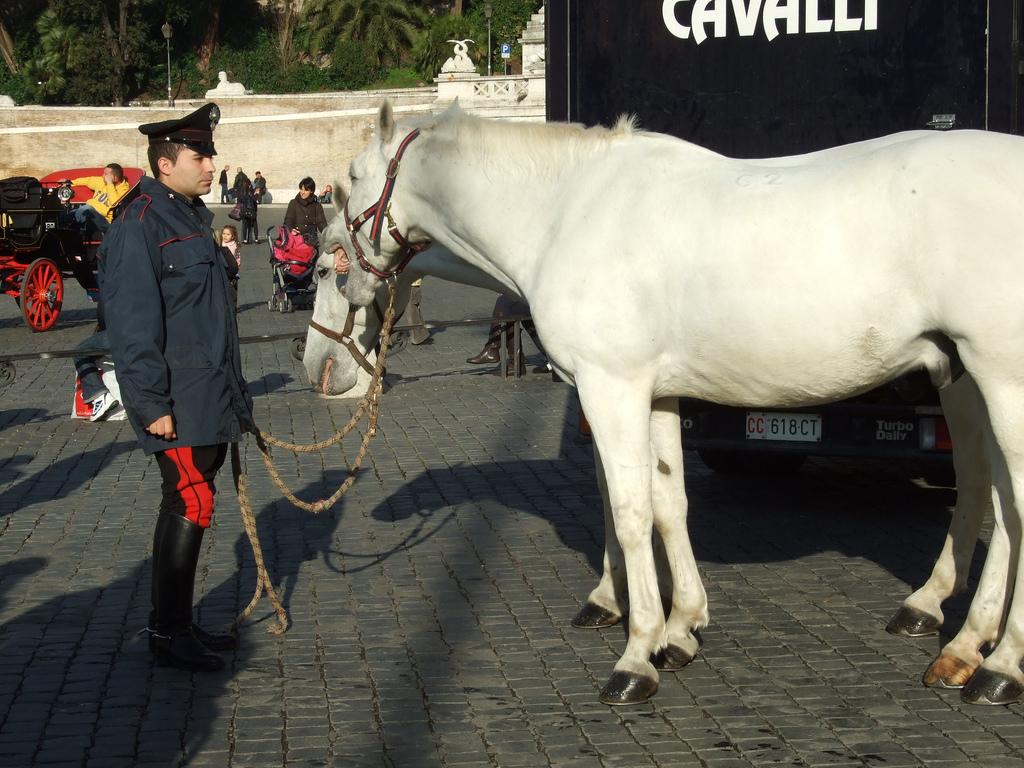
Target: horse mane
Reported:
[(528, 149)]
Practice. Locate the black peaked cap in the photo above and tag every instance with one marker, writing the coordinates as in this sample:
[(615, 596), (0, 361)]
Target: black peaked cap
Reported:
[(195, 131)]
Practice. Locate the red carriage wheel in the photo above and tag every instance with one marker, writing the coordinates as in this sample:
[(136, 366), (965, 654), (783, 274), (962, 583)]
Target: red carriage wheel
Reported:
[(42, 293)]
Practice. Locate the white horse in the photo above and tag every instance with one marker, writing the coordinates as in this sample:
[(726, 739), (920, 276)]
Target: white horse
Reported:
[(772, 283), (921, 613)]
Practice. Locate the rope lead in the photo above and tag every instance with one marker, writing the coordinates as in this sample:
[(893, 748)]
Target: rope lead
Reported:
[(370, 404)]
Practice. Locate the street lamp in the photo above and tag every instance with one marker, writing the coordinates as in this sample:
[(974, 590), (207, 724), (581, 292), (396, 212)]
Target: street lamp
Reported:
[(168, 34), (488, 13)]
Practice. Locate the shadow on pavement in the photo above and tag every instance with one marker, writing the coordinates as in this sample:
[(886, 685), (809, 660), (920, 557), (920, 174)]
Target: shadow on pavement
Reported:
[(269, 382), (86, 688), (76, 471), (17, 417)]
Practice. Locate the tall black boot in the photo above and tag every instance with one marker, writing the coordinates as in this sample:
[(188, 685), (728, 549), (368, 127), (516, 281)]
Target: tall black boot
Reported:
[(489, 354), (176, 544), (214, 642)]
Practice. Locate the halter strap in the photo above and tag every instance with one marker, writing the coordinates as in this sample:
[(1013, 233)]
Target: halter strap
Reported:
[(380, 211), (345, 337)]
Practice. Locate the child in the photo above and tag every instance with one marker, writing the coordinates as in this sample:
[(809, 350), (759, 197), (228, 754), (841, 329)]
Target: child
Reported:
[(232, 257), (229, 240)]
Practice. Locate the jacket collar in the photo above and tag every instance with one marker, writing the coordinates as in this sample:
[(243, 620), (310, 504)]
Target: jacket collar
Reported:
[(158, 190)]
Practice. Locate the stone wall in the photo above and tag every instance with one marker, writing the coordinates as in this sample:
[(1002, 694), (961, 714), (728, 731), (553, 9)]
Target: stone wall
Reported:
[(285, 137)]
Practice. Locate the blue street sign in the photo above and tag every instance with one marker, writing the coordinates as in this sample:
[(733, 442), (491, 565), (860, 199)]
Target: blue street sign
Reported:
[(506, 50)]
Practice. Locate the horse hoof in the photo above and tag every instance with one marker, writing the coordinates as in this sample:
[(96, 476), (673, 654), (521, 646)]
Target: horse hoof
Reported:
[(593, 616), (911, 622), (672, 658), (625, 688), (991, 688), (948, 672)]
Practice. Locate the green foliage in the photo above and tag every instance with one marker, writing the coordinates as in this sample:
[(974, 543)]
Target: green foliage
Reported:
[(77, 52), (254, 62), (388, 27), (398, 77), (87, 52), (16, 85), (353, 66), (432, 48)]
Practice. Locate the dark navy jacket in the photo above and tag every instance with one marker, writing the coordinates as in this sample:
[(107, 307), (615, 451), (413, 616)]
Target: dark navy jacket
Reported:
[(171, 321)]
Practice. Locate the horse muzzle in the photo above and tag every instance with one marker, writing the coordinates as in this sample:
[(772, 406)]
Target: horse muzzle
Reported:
[(323, 385)]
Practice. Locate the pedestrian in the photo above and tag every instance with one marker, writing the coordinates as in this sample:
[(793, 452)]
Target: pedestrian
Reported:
[(247, 199), (238, 178), (259, 185), (174, 341), (305, 215), (259, 189), (508, 306), (223, 181), (327, 196)]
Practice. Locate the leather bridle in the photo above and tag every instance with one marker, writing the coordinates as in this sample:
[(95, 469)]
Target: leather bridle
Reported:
[(345, 337), (379, 211)]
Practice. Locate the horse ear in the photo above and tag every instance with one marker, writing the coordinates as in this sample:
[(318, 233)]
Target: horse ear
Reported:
[(340, 197), (451, 112), (386, 122)]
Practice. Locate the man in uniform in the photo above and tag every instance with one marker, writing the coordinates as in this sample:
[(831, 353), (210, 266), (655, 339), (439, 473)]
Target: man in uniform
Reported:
[(172, 331)]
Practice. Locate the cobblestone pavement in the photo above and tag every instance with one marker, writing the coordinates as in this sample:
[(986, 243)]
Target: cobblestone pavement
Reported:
[(430, 609)]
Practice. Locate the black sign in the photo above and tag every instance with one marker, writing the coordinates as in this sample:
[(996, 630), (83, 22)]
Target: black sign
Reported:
[(754, 78)]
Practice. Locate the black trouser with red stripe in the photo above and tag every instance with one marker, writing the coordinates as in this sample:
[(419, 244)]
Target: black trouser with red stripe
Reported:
[(187, 487), (186, 510)]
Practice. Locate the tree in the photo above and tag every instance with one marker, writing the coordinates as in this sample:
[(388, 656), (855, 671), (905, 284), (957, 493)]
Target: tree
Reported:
[(388, 27), (7, 48), (285, 15), (59, 49), (15, 15), (210, 37)]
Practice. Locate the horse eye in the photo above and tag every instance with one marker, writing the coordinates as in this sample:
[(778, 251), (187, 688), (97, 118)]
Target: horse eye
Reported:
[(322, 271)]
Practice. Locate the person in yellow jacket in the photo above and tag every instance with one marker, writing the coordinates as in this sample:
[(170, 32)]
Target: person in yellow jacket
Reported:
[(107, 191)]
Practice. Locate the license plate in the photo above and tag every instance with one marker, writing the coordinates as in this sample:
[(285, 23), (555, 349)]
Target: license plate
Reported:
[(796, 427)]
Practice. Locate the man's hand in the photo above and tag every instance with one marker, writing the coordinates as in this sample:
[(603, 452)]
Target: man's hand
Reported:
[(163, 427), (341, 261)]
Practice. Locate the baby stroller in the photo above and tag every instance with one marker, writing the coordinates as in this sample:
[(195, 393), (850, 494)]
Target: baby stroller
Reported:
[(292, 262)]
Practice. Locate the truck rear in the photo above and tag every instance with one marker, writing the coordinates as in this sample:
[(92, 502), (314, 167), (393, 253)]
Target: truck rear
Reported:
[(763, 78)]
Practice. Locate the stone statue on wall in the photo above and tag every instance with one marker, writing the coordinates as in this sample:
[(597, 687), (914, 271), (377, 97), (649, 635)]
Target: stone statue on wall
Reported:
[(226, 88), (460, 61)]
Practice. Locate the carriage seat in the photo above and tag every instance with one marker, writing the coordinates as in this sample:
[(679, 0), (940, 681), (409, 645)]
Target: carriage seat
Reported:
[(21, 201)]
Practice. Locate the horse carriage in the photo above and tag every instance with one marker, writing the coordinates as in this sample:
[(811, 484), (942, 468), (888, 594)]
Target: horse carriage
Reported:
[(41, 245)]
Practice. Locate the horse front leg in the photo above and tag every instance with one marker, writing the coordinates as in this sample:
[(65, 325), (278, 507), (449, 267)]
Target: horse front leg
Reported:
[(921, 613), (619, 414), (606, 603), (688, 600)]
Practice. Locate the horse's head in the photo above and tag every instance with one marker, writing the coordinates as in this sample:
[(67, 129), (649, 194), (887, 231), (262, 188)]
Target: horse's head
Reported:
[(381, 233), (331, 365)]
